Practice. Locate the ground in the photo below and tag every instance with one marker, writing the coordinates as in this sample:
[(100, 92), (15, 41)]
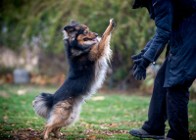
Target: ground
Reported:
[(104, 116)]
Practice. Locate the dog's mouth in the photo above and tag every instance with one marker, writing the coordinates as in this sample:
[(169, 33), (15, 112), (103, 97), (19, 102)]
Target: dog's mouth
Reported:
[(91, 39), (95, 40)]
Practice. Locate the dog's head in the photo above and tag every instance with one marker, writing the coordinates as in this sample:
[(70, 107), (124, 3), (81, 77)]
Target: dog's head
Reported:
[(79, 38)]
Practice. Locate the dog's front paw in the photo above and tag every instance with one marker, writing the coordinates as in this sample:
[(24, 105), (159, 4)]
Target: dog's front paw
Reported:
[(112, 22)]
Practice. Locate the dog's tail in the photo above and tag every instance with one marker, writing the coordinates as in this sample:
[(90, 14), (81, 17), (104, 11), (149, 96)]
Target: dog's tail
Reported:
[(43, 104)]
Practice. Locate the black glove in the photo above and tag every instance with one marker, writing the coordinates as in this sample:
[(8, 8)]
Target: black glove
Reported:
[(139, 68), (137, 57)]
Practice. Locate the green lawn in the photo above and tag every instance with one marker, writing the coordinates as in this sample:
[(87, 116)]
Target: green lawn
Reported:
[(104, 116)]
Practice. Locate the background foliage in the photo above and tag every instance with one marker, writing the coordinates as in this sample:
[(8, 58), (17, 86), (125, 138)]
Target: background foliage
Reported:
[(23, 22)]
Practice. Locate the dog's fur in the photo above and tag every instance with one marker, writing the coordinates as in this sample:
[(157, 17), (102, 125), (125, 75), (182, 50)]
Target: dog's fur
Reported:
[(88, 57)]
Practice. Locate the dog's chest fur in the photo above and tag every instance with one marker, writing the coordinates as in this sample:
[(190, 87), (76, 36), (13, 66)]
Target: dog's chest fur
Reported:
[(101, 67)]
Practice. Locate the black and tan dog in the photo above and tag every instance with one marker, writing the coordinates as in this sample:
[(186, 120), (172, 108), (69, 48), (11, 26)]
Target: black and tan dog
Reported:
[(88, 57)]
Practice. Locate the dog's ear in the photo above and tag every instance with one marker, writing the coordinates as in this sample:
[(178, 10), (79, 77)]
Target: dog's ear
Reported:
[(71, 27), (69, 32), (74, 23)]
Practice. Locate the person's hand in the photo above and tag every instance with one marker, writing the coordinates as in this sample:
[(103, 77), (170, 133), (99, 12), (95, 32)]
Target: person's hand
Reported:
[(137, 56), (139, 68), (135, 59)]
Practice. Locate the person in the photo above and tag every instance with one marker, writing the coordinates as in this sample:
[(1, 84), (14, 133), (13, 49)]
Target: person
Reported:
[(175, 22)]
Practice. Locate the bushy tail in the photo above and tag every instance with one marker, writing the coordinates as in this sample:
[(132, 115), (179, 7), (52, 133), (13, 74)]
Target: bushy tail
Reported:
[(43, 104)]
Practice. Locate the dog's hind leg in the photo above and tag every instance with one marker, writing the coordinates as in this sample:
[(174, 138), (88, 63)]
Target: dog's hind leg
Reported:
[(53, 127), (48, 129), (52, 124), (57, 132), (60, 113)]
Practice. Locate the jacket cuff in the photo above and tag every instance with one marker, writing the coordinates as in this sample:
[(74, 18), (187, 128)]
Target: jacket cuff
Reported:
[(145, 63)]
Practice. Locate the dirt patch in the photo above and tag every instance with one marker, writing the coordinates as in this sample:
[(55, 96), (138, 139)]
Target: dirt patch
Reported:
[(31, 134), (28, 134)]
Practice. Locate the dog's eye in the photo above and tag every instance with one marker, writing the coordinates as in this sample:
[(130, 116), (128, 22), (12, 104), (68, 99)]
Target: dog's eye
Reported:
[(85, 39), (85, 32)]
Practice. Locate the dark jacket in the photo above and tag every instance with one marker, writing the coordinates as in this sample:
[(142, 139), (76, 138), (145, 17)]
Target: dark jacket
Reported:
[(180, 32)]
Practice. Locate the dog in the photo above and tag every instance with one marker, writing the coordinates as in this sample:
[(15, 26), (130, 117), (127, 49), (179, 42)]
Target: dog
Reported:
[(88, 57)]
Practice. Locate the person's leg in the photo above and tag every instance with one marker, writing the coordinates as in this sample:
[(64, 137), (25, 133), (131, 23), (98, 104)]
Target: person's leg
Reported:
[(177, 109), (157, 109), (155, 125)]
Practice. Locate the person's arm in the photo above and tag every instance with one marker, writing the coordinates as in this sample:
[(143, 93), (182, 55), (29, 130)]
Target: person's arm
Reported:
[(140, 55), (148, 45), (163, 13)]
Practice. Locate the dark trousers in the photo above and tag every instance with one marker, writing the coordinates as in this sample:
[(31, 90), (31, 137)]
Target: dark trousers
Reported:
[(168, 104)]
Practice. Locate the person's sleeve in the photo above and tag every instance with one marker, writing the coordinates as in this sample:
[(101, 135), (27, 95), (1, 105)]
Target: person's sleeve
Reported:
[(163, 20), (147, 46)]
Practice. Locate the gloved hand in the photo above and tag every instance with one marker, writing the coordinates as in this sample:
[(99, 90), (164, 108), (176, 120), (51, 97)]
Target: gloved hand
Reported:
[(139, 68), (136, 58)]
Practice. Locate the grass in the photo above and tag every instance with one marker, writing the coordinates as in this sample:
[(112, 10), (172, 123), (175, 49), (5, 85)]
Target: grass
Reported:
[(104, 116)]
